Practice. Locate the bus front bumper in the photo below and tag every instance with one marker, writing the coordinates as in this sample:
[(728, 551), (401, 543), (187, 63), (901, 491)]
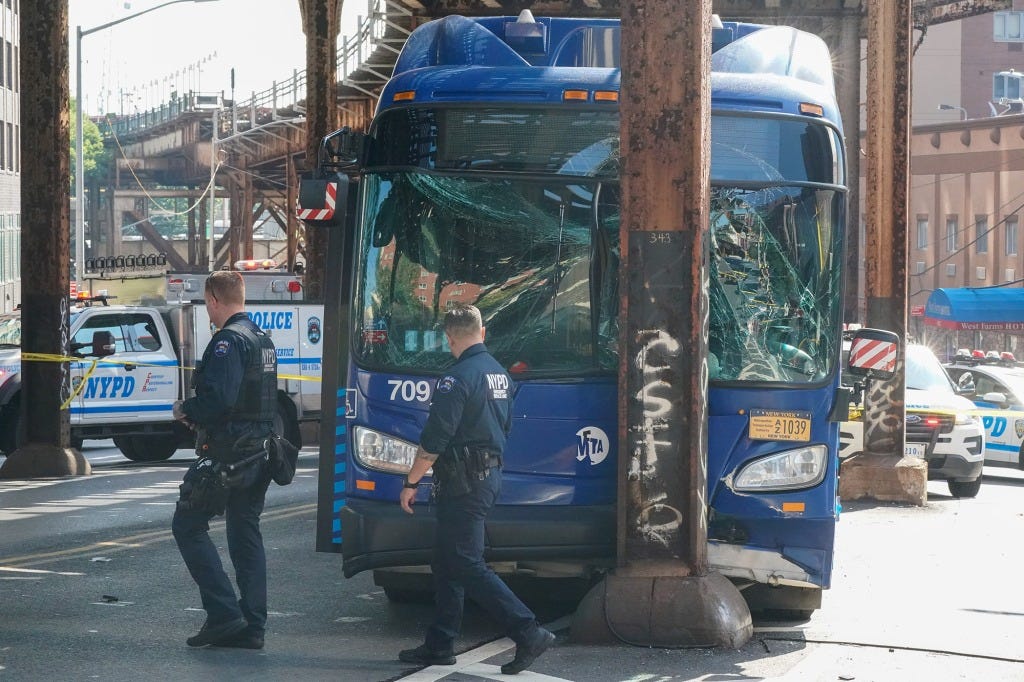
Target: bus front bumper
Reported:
[(377, 534)]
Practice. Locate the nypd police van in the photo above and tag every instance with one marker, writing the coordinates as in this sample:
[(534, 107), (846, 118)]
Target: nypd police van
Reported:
[(128, 396)]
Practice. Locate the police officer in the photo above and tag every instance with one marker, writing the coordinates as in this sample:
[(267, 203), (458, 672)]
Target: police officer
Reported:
[(463, 440), (232, 413)]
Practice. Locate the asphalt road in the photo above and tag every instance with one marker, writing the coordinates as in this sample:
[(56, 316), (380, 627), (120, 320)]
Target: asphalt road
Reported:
[(92, 587)]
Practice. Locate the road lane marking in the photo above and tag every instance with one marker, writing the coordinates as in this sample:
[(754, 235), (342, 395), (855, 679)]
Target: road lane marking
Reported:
[(472, 662), (134, 541), (11, 569)]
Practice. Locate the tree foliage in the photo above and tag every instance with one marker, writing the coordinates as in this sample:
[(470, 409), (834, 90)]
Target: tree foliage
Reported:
[(95, 157)]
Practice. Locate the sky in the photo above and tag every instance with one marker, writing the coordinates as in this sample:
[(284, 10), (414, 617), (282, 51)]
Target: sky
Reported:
[(135, 65)]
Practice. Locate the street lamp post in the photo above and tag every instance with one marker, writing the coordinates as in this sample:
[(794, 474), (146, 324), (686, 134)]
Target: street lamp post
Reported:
[(950, 107), (79, 160)]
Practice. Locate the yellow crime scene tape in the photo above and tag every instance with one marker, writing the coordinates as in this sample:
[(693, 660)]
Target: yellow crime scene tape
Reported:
[(53, 357)]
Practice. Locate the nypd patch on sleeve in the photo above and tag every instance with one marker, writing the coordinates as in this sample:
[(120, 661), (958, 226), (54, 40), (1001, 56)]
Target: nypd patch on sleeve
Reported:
[(446, 384), (222, 348)]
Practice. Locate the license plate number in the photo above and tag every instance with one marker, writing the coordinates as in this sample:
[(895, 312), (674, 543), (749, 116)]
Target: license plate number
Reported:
[(780, 425), (915, 450)]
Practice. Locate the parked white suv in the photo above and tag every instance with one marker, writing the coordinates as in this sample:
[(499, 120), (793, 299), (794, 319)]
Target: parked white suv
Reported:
[(941, 426)]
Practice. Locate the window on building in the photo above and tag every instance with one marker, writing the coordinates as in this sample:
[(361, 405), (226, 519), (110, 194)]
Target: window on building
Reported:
[(951, 230), (981, 234), (922, 232), (1006, 27), (10, 146), (1011, 235), (10, 65)]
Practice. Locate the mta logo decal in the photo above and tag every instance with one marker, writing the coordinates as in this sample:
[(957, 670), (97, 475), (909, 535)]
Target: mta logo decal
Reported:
[(593, 443), (109, 387)]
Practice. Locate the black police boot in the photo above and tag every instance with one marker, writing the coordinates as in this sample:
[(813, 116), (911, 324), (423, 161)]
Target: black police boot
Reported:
[(246, 639), (528, 651), (425, 656), (213, 634)]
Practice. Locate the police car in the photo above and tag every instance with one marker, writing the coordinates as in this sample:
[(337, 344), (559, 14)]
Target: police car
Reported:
[(998, 393), (941, 426)]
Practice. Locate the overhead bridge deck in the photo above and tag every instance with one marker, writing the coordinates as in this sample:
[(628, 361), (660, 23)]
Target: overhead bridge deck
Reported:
[(257, 144)]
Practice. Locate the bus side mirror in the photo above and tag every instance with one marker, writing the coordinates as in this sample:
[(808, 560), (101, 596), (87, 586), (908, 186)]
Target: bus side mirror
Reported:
[(342, 149), (323, 202), (873, 354)]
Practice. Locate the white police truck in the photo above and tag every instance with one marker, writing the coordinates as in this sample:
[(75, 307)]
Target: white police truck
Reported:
[(128, 396)]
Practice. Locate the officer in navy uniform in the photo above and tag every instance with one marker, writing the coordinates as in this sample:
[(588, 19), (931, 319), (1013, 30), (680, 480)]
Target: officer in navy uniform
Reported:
[(232, 413), (470, 417)]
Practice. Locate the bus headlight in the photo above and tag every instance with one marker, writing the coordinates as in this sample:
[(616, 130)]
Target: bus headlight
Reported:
[(383, 453), (800, 468)]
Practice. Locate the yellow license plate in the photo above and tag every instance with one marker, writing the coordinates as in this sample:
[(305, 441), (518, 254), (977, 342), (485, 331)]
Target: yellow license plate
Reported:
[(780, 425)]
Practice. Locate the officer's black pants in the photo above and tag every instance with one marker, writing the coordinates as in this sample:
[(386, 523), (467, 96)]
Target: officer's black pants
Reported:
[(245, 546), (459, 568)]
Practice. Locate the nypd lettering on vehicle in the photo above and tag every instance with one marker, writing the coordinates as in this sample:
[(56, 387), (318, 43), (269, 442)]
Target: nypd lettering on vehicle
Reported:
[(109, 387), (271, 319)]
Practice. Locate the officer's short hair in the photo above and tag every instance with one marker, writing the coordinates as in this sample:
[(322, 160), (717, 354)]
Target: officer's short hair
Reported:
[(226, 286), (463, 320)]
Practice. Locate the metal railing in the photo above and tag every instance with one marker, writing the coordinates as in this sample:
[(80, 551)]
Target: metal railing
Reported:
[(288, 95)]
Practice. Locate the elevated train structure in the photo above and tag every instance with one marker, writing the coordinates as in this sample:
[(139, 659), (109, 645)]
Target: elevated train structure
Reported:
[(256, 146)]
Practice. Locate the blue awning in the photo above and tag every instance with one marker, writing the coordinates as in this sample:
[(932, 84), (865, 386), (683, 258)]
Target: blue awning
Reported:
[(988, 309)]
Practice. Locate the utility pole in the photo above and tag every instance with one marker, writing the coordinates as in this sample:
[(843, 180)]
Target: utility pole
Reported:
[(321, 22), (662, 593), (45, 245)]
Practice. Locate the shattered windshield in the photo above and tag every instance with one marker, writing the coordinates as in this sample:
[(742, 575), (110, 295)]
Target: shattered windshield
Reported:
[(531, 237), (537, 257), (774, 283)]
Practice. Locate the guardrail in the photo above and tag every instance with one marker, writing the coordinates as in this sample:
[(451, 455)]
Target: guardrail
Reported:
[(288, 94)]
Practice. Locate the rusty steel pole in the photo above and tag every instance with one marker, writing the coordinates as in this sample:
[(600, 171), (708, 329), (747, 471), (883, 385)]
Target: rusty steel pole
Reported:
[(881, 471), (886, 212), (321, 22), (45, 246), (291, 199), (662, 593)]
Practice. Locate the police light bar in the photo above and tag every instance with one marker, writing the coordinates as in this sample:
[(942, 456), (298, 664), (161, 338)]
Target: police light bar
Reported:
[(256, 264)]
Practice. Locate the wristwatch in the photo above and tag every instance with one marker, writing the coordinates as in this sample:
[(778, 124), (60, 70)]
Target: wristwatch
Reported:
[(406, 483)]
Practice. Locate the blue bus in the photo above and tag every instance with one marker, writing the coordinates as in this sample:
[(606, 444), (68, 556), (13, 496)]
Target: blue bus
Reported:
[(490, 175)]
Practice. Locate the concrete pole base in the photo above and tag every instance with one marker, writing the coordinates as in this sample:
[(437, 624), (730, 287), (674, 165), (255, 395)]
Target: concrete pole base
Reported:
[(664, 611), (44, 460), (886, 478)]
